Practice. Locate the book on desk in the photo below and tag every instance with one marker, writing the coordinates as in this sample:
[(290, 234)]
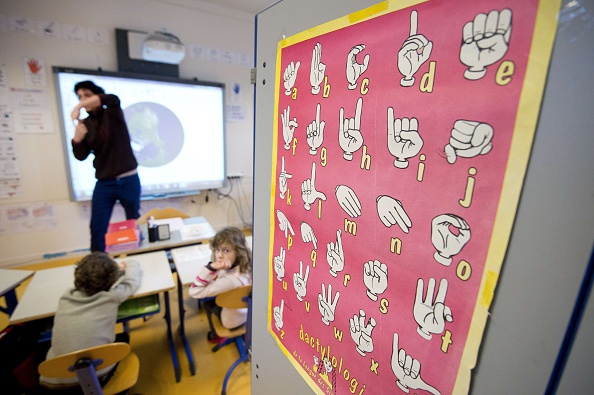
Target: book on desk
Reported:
[(121, 225), (122, 236)]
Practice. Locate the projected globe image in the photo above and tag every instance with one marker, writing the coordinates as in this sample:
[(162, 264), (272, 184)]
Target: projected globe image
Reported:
[(157, 134)]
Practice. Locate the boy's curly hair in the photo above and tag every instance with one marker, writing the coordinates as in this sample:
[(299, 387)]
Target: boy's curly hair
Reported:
[(96, 272)]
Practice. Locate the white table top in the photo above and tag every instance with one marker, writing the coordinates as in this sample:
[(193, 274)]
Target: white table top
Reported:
[(187, 260), (41, 297), (11, 278)]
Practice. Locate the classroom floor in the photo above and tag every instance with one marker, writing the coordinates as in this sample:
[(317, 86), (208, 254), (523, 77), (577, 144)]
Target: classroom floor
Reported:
[(149, 341)]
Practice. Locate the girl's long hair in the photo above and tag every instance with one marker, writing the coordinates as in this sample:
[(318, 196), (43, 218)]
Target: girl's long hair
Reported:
[(236, 238)]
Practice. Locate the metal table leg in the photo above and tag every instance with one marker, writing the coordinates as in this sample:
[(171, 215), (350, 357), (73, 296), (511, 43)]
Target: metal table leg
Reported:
[(11, 302), (182, 326), (170, 338)]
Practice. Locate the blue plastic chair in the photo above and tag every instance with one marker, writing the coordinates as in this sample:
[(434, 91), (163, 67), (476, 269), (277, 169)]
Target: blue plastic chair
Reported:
[(242, 337)]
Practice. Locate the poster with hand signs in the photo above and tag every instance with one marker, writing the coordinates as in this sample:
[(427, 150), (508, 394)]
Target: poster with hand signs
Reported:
[(402, 134)]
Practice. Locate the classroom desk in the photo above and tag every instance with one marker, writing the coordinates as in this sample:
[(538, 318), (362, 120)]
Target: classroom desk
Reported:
[(179, 237), (187, 260), (192, 231), (9, 280), (41, 297)]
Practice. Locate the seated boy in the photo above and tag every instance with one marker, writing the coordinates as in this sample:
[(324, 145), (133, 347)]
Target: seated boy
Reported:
[(87, 313)]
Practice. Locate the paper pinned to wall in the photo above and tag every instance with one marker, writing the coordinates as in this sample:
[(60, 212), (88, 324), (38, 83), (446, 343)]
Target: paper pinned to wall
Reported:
[(10, 174), (27, 218), (31, 109), (35, 71)]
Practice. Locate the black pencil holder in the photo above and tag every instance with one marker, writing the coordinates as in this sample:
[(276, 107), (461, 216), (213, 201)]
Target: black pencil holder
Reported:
[(153, 233)]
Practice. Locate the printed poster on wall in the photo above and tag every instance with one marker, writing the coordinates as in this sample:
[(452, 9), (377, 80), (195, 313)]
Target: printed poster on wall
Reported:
[(401, 140)]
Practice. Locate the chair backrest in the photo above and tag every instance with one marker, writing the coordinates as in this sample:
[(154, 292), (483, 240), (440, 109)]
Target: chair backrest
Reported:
[(235, 298), (84, 365), (242, 337), (161, 213), (109, 354)]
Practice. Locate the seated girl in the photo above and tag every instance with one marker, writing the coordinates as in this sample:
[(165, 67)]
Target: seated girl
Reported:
[(230, 267)]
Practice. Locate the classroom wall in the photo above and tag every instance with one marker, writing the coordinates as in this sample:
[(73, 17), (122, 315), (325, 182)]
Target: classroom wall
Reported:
[(41, 157)]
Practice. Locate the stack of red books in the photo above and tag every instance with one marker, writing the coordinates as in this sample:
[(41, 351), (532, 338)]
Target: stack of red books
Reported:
[(122, 236)]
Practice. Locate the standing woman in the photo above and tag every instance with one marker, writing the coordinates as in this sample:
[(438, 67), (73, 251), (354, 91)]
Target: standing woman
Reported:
[(105, 134)]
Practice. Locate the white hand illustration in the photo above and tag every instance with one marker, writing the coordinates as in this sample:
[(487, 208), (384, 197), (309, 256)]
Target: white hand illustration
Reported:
[(415, 51), (349, 132), (335, 255), (279, 264), (283, 223), (361, 332), (315, 133), (318, 69), (327, 365), (431, 315), (290, 75), (282, 179), (375, 278), (348, 200), (485, 41), (277, 312), (354, 69), (404, 140), (300, 281), (307, 234), (326, 305), (308, 189), (469, 139), (444, 240), (408, 370), (391, 212), (289, 126)]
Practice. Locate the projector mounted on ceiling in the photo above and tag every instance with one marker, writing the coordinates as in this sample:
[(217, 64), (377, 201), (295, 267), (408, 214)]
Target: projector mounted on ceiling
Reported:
[(163, 47)]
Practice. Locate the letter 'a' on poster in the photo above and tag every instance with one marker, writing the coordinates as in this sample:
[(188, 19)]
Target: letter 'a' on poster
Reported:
[(402, 133)]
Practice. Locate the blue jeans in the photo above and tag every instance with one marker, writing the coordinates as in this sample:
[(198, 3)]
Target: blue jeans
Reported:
[(105, 196)]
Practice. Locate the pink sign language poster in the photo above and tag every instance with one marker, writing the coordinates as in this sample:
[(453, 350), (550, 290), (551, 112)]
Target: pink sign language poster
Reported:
[(401, 141)]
